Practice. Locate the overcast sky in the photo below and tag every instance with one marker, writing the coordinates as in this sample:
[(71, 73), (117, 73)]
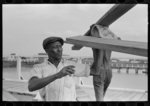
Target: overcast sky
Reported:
[(25, 26)]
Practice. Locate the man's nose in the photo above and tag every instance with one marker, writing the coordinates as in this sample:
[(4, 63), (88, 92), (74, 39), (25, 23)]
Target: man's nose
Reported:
[(60, 49)]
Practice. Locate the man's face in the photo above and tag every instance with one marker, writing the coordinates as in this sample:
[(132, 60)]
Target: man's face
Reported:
[(54, 50)]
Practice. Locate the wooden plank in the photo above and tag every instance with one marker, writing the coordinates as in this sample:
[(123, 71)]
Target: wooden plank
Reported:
[(7, 96), (109, 96), (126, 95), (17, 86), (82, 95), (114, 13), (23, 97), (130, 47), (116, 96), (137, 97), (144, 97), (111, 16), (84, 98)]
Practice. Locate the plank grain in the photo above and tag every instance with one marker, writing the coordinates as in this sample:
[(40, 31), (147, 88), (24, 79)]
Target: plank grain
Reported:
[(109, 17), (129, 47)]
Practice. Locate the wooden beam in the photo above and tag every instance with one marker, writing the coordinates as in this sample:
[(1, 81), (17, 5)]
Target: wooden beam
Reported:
[(114, 13), (129, 47), (111, 16)]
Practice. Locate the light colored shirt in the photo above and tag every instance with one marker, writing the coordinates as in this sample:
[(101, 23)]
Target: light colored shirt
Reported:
[(62, 89)]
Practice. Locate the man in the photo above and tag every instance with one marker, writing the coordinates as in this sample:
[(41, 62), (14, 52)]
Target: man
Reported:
[(101, 67), (53, 78)]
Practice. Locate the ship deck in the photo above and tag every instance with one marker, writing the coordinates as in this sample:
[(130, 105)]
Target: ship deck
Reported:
[(17, 91)]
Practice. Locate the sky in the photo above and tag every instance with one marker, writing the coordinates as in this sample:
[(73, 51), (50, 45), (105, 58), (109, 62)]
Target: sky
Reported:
[(25, 26)]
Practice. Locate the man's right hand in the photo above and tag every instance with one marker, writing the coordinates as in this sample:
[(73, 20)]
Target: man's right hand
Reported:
[(68, 70)]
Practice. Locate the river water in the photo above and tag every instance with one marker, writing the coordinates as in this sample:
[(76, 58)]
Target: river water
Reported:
[(119, 80)]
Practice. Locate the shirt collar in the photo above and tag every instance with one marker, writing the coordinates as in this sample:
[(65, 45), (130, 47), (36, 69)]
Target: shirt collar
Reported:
[(61, 62)]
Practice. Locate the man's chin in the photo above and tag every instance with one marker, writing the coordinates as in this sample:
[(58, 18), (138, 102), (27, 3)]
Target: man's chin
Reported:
[(59, 57)]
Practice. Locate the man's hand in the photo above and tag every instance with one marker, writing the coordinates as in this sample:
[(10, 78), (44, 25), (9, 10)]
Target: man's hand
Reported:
[(68, 70)]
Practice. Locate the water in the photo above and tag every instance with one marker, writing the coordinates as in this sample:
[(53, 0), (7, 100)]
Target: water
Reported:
[(119, 80), (127, 81)]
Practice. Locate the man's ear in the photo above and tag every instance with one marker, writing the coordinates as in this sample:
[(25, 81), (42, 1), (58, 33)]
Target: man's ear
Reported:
[(46, 50)]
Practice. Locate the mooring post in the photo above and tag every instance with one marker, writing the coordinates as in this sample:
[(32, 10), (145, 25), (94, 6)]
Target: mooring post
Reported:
[(19, 67), (79, 80), (127, 70), (119, 69), (136, 70)]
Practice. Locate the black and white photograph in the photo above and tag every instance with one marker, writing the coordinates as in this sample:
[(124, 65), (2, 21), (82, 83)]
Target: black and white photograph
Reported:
[(75, 52)]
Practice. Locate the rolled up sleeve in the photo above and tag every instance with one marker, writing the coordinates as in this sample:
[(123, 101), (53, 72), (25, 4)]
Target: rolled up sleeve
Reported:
[(36, 72)]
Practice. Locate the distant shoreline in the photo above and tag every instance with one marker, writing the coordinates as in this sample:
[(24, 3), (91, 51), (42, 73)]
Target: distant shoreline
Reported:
[(7, 64)]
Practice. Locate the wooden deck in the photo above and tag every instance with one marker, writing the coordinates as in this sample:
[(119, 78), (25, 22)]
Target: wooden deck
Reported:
[(7, 96), (17, 91), (113, 94)]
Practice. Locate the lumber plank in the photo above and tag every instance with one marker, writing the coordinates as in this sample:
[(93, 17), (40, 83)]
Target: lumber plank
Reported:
[(109, 17), (114, 13), (7, 96), (129, 47)]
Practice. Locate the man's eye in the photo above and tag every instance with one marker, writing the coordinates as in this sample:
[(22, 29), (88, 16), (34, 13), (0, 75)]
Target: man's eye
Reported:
[(57, 47)]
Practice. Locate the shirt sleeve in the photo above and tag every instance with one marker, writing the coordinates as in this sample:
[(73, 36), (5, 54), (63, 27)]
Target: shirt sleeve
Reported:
[(36, 72), (82, 70)]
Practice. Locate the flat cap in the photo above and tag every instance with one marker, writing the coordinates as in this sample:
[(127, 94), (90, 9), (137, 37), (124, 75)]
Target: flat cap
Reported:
[(52, 40)]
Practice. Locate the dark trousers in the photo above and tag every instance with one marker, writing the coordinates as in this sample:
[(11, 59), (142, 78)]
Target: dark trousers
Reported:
[(101, 83)]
